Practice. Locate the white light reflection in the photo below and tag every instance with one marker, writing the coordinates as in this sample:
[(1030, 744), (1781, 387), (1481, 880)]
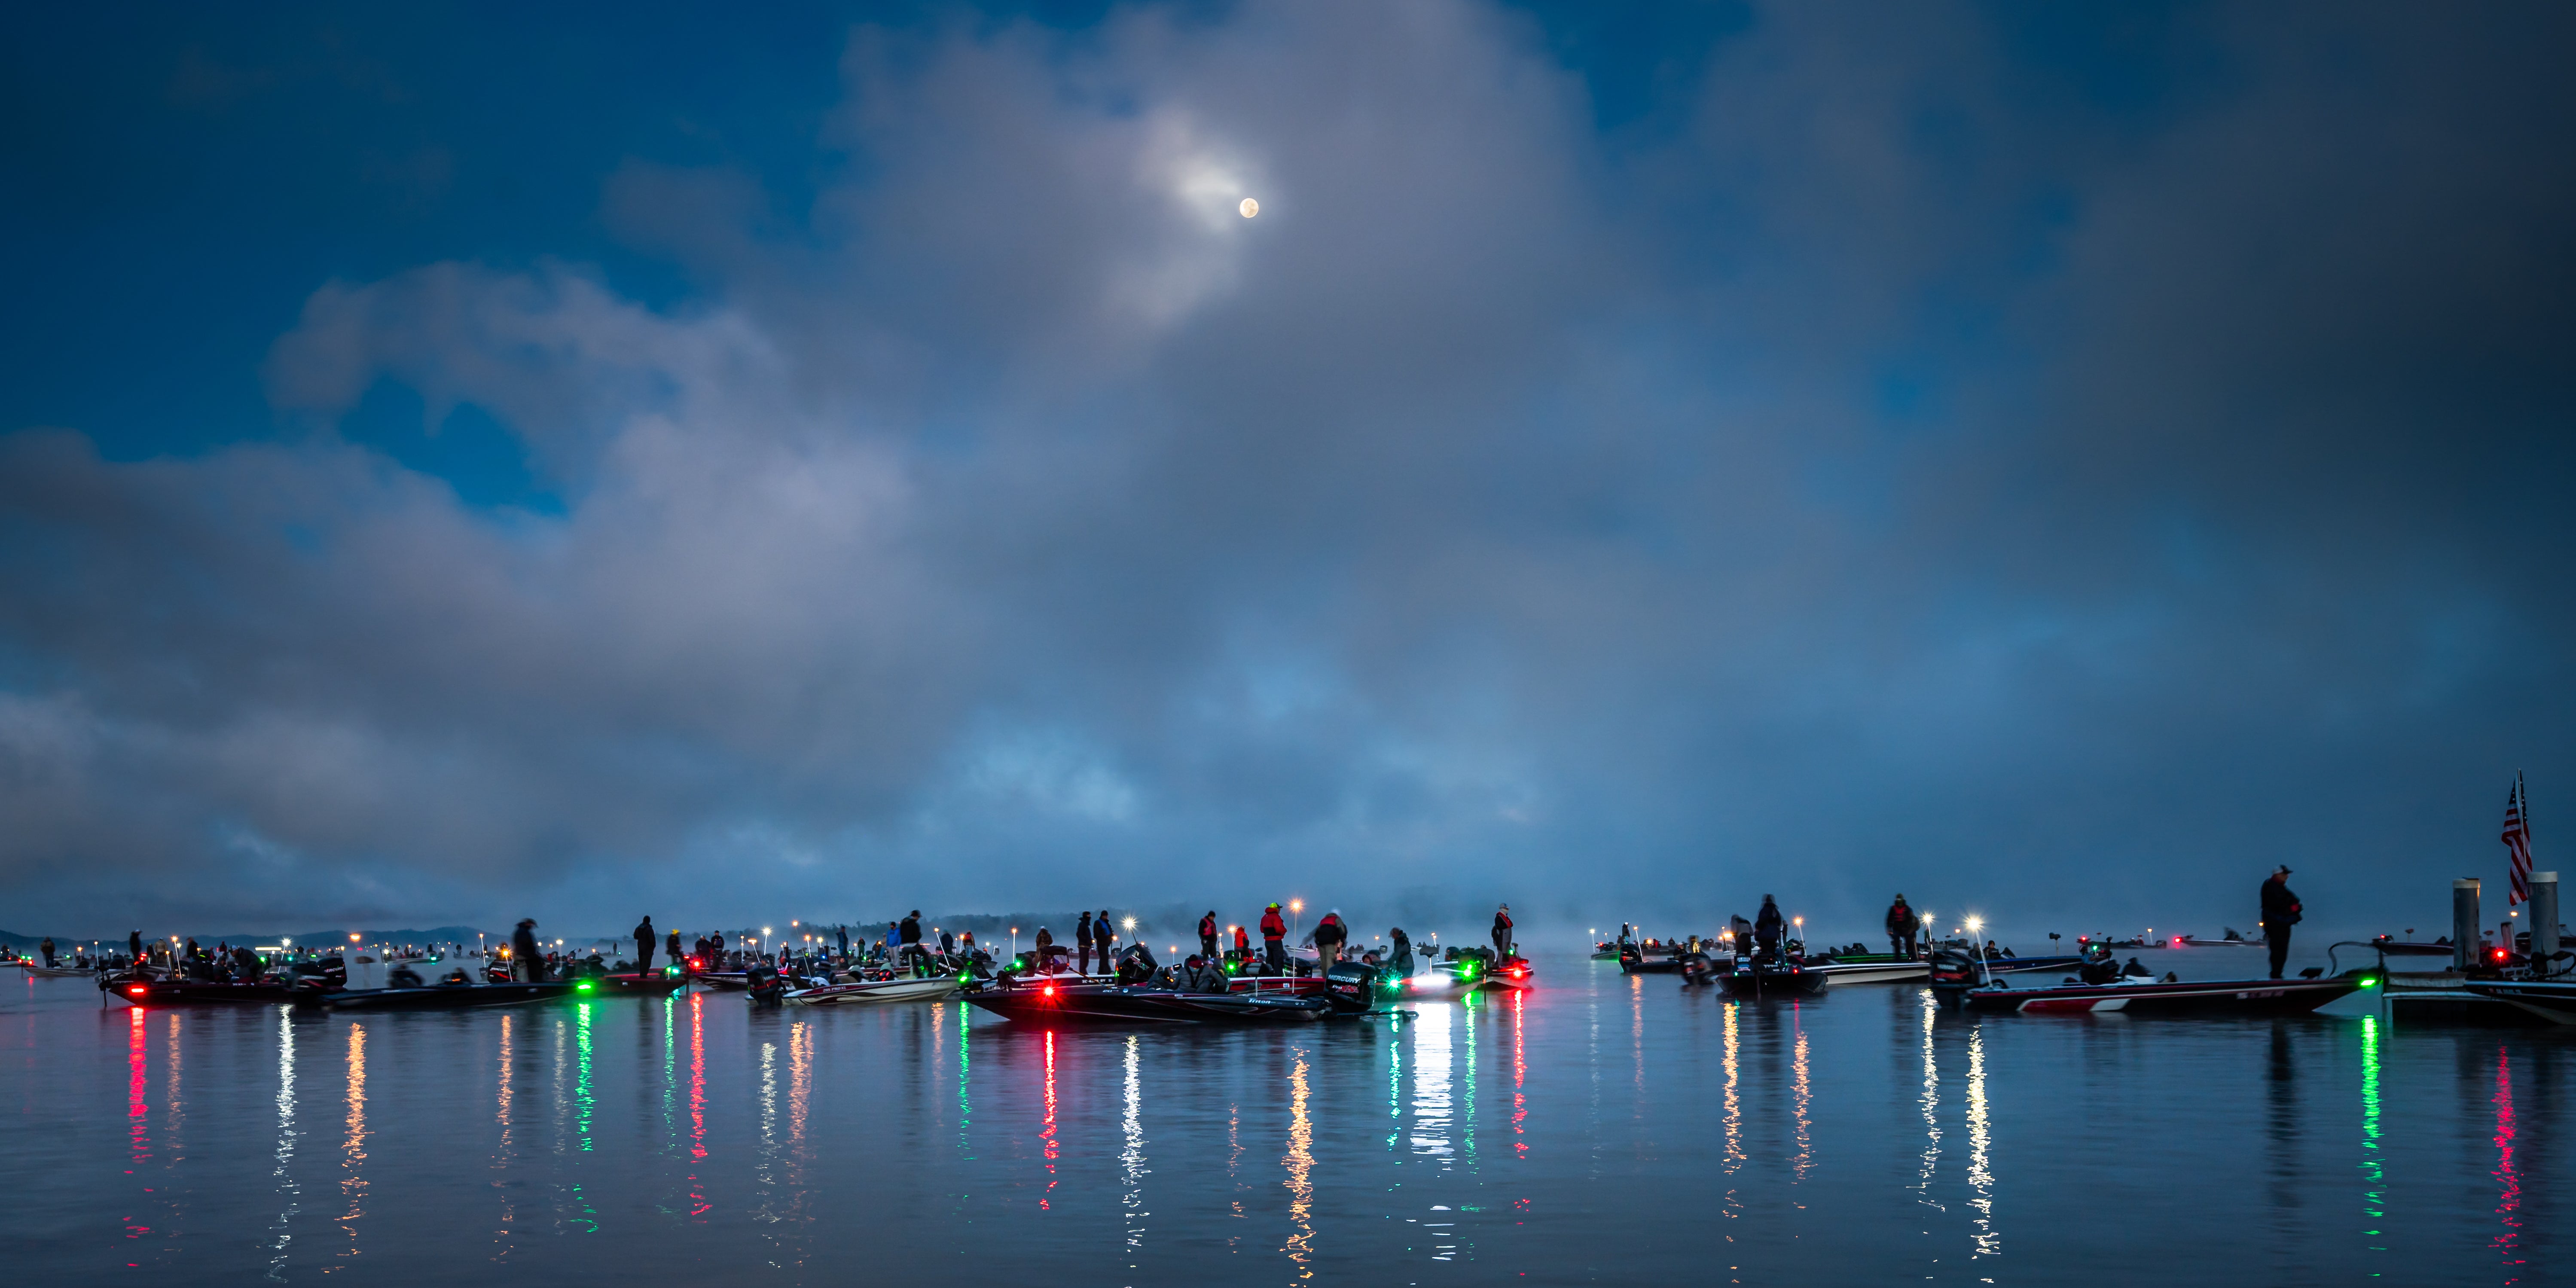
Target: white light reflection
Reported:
[(1802, 1094), (1981, 1176), (1131, 1159), (1431, 1109), (286, 1186), (1931, 1110)]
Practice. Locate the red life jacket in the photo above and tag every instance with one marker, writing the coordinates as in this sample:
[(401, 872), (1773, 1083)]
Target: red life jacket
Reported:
[(1242, 941), (1271, 926)]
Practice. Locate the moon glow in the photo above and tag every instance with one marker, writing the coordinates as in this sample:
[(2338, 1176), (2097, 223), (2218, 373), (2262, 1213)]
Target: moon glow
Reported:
[(1249, 207)]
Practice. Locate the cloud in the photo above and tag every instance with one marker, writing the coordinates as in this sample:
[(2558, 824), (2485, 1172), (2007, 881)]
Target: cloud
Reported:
[(1887, 467)]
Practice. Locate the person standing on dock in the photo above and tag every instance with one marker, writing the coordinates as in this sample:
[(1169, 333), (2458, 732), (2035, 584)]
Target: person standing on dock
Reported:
[(1902, 926), (2280, 912), (644, 941), (1274, 929), (1207, 935)]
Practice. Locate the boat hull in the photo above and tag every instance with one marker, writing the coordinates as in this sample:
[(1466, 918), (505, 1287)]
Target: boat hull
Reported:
[(2553, 1000), (1756, 983), (447, 997), (1873, 972), (175, 992), (936, 988), (1112, 1004), (2213, 997)]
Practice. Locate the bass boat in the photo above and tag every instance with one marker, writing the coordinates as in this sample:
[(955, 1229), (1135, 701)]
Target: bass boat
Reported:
[(2551, 999), (902, 988), (2149, 996), (168, 992), (1047, 1002), (447, 997), (1774, 979), (37, 971)]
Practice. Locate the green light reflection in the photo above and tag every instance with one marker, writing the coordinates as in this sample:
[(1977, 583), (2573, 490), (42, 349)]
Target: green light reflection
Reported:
[(2373, 1175)]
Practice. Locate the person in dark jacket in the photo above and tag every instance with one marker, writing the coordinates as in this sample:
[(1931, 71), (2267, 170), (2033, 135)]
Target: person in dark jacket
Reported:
[(1044, 951), (526, 966), (1902, 926), (1503, 932), (671, 945), (47, 948), (1082, 941), (2280, 912), (1207, 935), (1400, 961), (644, 941), (907, 937), (1274, 930), (1766, 931), (1101, 938), (1330, 935)]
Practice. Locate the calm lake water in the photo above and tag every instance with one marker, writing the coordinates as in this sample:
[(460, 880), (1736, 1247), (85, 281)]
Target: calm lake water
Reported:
[(1602, 1128)]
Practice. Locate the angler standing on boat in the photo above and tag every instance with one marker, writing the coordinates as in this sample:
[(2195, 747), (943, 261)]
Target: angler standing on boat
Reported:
[(1274, 929), (1082, 941), (1400, 962), (1902, 926), (1330, 935), (1101, 937), (672, 947), (1502, 932), (644, 941), (1207, 935), (2280, 912), (908, 937), (524, 965), (47, 948), (1766, 931)]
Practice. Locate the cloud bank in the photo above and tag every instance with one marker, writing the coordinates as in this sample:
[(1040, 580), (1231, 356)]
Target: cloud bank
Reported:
[(2060, 473)]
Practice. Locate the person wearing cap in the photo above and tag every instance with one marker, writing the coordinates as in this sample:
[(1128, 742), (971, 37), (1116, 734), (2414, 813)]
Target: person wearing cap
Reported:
[(1502, 932), (2280, 912), (1274, 929), (1902, 925)]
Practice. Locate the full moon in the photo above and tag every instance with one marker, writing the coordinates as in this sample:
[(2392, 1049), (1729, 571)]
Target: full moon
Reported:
[(1249, 207)]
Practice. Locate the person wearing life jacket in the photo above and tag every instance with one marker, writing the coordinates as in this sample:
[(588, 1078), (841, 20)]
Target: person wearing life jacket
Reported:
[(1207, 935), (1902, 926), (1330, 935), (1502, 932), (1274, 929), (1242, 948)]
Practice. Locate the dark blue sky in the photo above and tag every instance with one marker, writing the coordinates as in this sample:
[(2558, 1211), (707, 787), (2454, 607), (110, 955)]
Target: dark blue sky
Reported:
[(2053, 459)]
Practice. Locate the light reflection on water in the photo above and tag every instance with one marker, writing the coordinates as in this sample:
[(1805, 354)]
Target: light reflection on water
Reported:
[(697, 1133)]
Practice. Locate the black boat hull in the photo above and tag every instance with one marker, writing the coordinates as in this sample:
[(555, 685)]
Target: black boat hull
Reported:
[(177, 992), (1754, 983), (2553, 1000), (1113, 1004)]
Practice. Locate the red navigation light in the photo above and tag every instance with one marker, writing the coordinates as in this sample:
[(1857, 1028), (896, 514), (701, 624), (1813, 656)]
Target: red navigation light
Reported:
[(136, 990), (1048, 991)]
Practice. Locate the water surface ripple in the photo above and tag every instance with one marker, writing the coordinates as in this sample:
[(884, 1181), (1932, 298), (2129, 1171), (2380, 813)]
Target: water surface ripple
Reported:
[(1602, 1127)]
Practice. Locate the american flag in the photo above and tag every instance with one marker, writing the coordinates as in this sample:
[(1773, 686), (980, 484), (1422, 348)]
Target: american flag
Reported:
[(2517, 839)]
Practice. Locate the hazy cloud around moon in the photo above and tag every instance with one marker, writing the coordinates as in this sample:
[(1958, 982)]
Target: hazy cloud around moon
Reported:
[(1894, 461)]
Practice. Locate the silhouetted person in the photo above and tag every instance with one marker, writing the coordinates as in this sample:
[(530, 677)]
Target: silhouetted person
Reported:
[(1766, 931), (1902, 926), (644, 940), (1400, 961), (1101, 937), (47, 948), (526, 965), (1207, 935), (2280, 912), (1082, 942), (673, 947), (1502, 932), (1330, 935)]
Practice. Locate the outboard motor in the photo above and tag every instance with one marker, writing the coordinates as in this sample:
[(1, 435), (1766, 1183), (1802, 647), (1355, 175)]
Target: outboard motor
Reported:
[(1954, 972), (1699, 970), (1351, 987), (765, 986), (1136, 965)]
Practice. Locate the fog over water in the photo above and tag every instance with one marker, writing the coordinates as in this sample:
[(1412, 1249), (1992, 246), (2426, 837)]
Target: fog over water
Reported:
[(464, 465)]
